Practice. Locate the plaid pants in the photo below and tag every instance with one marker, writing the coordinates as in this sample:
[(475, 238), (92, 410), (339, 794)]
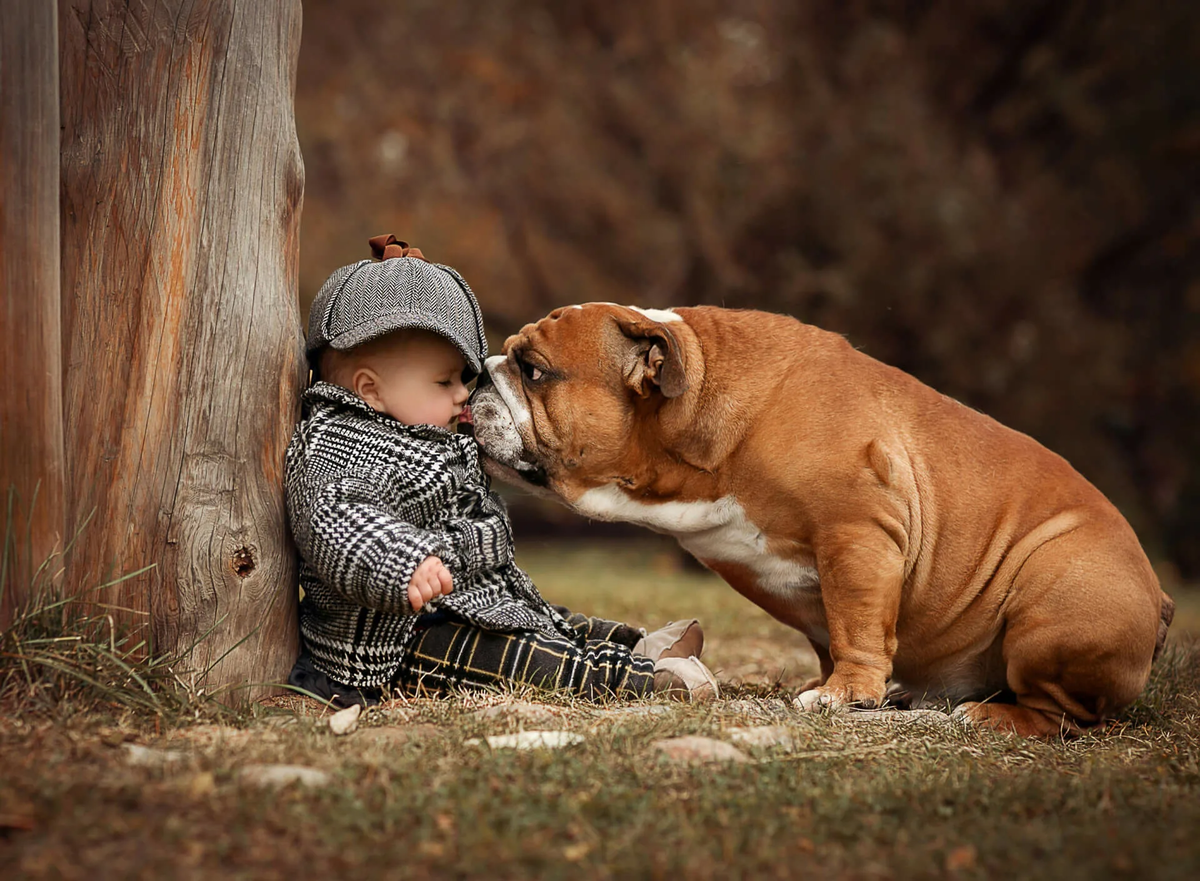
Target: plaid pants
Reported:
[(597, 664)]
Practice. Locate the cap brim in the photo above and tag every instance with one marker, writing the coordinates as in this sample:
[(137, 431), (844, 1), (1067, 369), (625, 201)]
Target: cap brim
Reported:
[(385, 324)]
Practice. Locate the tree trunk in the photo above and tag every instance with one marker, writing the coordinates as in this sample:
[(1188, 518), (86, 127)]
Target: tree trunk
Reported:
[(181, 191), (31, 424)]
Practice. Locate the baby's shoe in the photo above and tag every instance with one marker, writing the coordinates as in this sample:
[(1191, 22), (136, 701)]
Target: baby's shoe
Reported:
[(685, 679), (679, 639)]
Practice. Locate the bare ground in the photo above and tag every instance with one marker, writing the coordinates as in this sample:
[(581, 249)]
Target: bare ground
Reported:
[(416, 791)]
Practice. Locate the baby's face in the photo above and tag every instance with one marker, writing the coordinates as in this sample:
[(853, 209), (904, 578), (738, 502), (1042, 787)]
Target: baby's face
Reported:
[(419, 381)]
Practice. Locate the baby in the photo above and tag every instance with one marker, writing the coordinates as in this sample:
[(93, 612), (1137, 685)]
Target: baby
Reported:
[(406, 555)]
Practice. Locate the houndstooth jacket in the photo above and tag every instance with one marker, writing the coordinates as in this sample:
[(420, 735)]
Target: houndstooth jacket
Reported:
[(368, 499)]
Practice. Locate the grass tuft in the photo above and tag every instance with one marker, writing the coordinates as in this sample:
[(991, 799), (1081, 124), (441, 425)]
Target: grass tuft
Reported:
[(71, 654)]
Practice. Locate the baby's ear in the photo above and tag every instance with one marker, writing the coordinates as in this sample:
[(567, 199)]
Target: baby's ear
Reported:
[(365, 384)]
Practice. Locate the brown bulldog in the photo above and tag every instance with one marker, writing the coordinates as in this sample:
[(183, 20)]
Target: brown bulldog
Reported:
[(909, 537)]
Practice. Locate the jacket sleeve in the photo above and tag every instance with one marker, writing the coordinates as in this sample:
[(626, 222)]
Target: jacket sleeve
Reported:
[(363, 551), (483, 542)]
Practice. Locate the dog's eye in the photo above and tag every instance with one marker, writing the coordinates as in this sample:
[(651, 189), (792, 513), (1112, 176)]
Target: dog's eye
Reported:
[(532, 372)]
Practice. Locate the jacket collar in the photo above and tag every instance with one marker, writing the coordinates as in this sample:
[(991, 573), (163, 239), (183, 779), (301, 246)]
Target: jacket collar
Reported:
[(327, 396)]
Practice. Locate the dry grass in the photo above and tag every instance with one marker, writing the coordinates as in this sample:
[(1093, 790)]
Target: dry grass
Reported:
[(411, 796)]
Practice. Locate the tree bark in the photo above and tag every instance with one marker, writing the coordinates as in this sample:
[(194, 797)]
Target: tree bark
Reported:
[(182, 186), (31, 426)]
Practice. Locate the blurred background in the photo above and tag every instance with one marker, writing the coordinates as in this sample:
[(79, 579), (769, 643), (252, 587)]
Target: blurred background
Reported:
[(998, 197)]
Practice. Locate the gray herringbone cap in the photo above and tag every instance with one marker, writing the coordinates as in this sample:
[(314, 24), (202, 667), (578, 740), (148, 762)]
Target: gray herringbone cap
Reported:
[(367, 299)]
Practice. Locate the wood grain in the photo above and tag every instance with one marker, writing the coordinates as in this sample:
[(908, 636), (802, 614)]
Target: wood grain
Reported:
[(182, 187), (31, 426)]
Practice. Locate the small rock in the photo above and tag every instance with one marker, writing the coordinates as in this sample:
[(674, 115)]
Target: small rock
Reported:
[(282, 775), (521, 711), (694, 749), (149, 757), (345, 721), (530, 740), (761, 736)]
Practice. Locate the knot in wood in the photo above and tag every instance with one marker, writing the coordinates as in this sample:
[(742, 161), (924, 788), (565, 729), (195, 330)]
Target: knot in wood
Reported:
[(243, 561)]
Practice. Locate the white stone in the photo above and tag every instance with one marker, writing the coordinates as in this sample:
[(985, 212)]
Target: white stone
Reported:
[(282, 775), (150, 757), (761, 736), (699, 749), (345, 721), (521, 711), (530, 740)]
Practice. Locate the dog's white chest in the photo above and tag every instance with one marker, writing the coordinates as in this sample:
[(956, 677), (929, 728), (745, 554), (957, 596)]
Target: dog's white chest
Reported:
[(712, 531)]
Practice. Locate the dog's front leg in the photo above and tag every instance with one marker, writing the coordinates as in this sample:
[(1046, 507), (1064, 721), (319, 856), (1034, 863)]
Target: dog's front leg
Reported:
[(862, 573)]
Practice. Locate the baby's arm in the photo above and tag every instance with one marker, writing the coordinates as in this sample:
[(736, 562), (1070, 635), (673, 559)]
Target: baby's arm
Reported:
[(361, 549), (481, 530), (483, 542)]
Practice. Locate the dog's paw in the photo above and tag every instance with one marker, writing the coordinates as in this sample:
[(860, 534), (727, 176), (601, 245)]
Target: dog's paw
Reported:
[(814, 699), (1015, 719), (833, 697), (968, 713), (815, 682)]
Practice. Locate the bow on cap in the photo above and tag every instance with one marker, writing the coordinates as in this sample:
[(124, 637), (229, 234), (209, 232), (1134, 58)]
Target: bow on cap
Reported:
[(388, 246)]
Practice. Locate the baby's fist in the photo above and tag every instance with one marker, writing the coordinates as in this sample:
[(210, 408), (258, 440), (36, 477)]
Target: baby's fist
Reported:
[(432, 579)]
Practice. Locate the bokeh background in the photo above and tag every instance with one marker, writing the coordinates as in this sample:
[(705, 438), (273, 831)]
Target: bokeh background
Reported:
[(1000, 197)]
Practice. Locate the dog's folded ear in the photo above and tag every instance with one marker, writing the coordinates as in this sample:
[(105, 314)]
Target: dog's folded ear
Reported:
[(653, 358)]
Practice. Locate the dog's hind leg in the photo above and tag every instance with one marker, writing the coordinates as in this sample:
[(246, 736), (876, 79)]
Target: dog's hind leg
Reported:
[(1081, 634)]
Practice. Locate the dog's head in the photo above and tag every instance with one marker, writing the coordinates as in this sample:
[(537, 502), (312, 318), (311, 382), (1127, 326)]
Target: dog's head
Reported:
[(590, 396)]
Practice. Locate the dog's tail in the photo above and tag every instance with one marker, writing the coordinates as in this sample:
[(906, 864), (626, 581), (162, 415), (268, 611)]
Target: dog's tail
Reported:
[(1164, 621)]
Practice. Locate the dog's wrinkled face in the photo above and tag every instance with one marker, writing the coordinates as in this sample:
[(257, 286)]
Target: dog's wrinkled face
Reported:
[(559, 411)]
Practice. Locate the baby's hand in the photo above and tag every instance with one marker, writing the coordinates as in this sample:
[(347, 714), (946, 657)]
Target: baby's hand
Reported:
[(432, 579)]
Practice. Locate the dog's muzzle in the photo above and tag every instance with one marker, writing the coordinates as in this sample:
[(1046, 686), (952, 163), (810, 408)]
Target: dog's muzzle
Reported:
[(497, 434)]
